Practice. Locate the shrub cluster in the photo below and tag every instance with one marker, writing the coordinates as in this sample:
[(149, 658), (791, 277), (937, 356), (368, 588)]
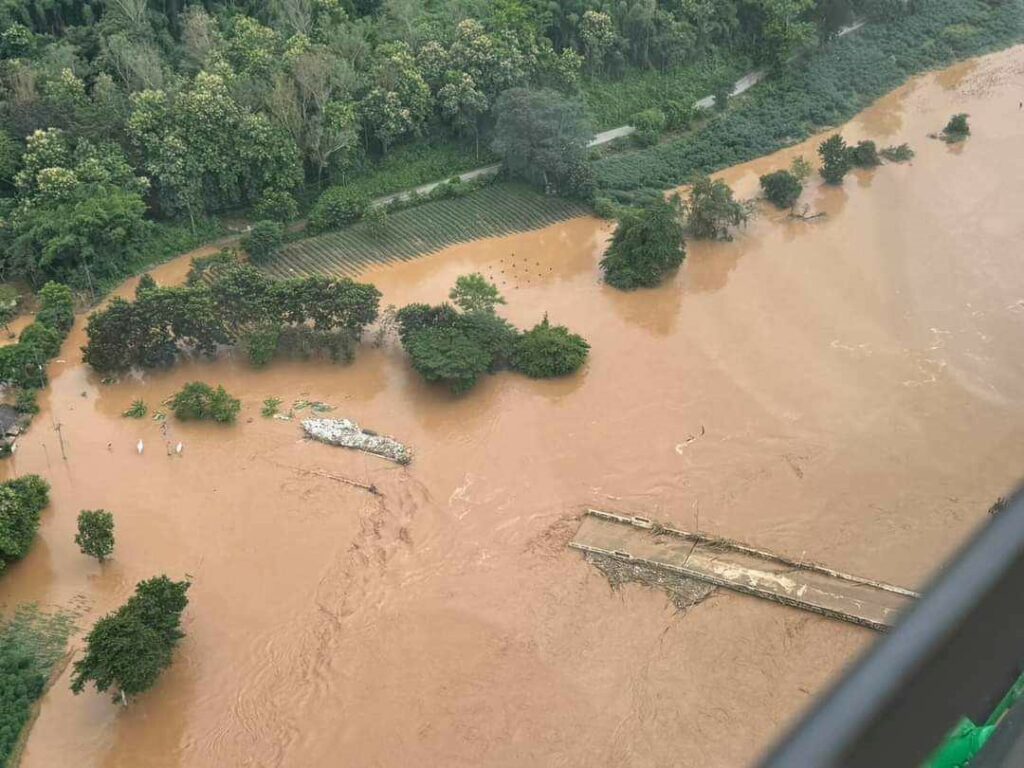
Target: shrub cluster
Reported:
[(263, 241), (548, 350), (198, 401), (337, 207), (897, 154), (864, 154), (239, 304), (21, 502), (781, 188), (647, 245), (129, 648), (957, 129), (649, 126), (23, 365), (455, 345)]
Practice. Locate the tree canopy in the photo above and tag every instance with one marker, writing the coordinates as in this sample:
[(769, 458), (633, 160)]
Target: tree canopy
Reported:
[(21, 502), (647, 245), (712, 211), (304, 315), (129, 648)]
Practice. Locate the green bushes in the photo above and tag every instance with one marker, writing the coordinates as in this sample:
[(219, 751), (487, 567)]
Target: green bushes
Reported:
[(455, 348), (95, 536), (649, 126), (835, 159), (263, 241), (549, 350), (337, 207), (825, 88), (781, 188), (647, 245), (611, 103), (27, 402), (239, 304), (446, 354), (957, 129), (129, 648), (199, 401), (31, 644), (23, 364), (864, 154), (898, 154), (711, 210), (137, 410), (21, 502)]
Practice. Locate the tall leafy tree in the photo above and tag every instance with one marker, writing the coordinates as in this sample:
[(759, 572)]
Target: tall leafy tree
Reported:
[(647, 245), (542, 137), (128, 649)]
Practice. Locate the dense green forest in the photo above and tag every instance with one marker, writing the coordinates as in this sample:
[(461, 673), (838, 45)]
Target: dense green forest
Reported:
[(119, 114)]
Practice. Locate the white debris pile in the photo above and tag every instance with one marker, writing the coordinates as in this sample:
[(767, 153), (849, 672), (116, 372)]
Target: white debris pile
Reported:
[(347, 434)]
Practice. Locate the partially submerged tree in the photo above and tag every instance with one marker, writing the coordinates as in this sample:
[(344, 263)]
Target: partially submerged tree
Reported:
[(549, 350), (957, 129), (781, 188), (864, 154), (21, 502), (474, 293), (711, 210), (647, 245), (95, 535), (129, 648), (200, 401), (897, 153), (835, 159)]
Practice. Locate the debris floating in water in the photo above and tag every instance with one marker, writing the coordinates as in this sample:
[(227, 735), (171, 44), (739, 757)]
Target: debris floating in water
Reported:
[(314, 405), (347, 434)]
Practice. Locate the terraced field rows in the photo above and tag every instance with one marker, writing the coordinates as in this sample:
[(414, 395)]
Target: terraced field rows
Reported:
[(498, 209)]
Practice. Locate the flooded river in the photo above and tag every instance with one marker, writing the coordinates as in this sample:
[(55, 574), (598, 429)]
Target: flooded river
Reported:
[(848, 390)]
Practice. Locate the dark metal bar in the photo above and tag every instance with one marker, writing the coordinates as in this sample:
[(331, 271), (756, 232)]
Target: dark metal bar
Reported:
[(954, 653)]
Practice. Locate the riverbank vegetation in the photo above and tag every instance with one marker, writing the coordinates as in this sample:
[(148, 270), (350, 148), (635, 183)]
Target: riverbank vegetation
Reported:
[(456, 344), (22, 500), (106, 157), (647, 245), (23, 365), (825, 87), (231, 304), (128, 649), (32, 644)]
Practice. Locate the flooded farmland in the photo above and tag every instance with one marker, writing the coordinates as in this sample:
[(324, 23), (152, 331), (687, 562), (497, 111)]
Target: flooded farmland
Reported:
[(847, 389)]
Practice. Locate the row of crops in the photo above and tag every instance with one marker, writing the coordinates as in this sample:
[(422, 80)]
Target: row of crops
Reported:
[(497, 209)]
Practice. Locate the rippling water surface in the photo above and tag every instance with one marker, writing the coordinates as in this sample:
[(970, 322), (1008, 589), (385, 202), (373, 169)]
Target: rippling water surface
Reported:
[(848, 389)]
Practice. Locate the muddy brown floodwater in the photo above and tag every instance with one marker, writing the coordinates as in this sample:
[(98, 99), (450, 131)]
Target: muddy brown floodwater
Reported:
[(855, 387)]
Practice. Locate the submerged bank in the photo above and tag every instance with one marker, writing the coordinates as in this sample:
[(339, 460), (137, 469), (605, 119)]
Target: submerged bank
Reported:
[(851, 388)]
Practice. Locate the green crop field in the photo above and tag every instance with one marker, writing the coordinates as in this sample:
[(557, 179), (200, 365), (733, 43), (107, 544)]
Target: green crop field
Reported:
[(497, 209)]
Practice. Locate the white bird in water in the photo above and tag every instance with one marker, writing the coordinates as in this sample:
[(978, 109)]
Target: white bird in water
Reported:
[(138, 446), (177, 448)]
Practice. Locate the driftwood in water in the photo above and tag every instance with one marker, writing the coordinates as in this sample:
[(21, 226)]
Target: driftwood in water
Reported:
[(806, 215)]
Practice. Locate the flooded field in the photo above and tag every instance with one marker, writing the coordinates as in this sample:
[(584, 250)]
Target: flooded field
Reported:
[(847, 389)]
